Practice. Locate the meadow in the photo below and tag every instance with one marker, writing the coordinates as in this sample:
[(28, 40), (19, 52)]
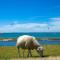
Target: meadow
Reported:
[(7, 52)]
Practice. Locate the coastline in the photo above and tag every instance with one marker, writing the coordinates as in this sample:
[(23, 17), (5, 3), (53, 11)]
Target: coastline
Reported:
[(42, 38)]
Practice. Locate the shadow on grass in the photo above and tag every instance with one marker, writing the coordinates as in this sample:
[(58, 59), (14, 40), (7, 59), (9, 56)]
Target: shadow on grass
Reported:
[(35, 57), (46, 56), (38, 56)]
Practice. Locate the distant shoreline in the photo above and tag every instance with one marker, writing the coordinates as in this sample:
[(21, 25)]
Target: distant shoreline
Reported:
[(7, 39), (43, 38)]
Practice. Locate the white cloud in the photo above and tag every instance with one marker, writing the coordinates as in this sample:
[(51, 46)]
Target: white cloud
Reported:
[(58, 18), (27, 27), (54, 26), (55, 21)]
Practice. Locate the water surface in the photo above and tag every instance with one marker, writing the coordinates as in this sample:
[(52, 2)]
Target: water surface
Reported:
[(42, 42), (39, 34)]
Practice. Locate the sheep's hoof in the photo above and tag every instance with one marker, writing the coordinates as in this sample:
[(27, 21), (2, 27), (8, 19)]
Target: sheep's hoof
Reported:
[(29, 55)]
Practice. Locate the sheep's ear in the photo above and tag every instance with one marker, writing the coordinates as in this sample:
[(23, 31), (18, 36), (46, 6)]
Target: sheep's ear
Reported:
[(37, 48)]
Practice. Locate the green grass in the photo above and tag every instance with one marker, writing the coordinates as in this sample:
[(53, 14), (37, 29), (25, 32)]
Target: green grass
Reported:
[(11, 52), (52, 50), (8, 38)]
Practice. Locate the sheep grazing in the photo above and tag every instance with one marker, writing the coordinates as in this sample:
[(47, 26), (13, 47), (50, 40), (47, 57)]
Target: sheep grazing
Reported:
[(30, 43)]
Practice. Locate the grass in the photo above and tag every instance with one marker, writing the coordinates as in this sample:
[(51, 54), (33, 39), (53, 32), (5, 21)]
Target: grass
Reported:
[(7, 52), (52, 50)]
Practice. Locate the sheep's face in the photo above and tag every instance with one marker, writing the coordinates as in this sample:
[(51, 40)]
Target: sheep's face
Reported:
[(40, 51), (40, 48)]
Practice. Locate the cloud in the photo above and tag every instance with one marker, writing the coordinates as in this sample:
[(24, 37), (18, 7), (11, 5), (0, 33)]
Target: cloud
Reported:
[(52, 26), (58, 18), (27, 27), (55, 21), (55, 24)]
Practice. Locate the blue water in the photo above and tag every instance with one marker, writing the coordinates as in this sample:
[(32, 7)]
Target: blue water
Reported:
[(7, 43), (42, 34), (42, 42)]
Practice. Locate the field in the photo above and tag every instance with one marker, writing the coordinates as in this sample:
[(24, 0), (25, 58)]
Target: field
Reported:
[(10, 52)]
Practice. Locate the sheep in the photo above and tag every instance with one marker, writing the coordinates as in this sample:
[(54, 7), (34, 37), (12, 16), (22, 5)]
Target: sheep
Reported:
[(30, 43)]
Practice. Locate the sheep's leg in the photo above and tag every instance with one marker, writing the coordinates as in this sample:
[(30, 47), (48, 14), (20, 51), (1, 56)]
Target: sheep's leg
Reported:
[(41, 53), (18, 52), (29, 53), (23, 52)]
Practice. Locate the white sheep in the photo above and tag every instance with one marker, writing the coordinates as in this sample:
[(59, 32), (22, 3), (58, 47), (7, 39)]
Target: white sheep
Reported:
[(30, 43)]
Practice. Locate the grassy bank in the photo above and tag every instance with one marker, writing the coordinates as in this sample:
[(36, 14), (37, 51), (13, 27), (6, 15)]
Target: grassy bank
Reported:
[(8, 39), (11, 52)]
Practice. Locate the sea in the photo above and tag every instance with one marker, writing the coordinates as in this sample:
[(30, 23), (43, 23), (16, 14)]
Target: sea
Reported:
[(35, 34)]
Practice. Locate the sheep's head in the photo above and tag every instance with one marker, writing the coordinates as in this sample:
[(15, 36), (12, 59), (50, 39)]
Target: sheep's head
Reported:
[(40, 50)]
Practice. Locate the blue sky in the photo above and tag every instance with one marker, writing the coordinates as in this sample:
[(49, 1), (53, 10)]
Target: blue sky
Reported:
[(15, 15)]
